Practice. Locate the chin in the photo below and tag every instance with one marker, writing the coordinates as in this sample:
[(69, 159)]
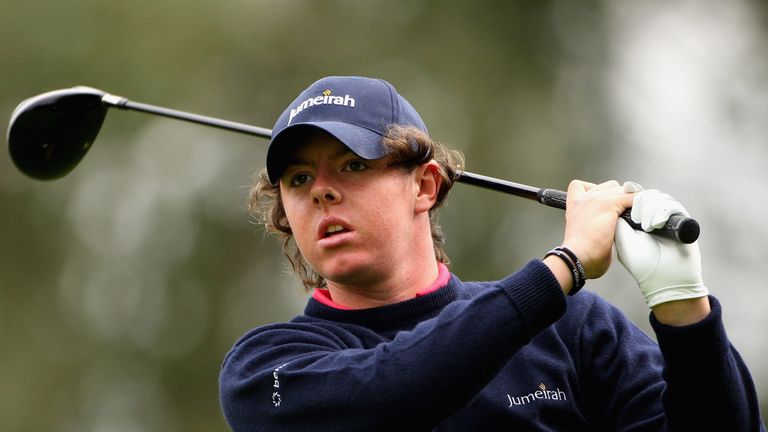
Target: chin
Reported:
[(349, 272)]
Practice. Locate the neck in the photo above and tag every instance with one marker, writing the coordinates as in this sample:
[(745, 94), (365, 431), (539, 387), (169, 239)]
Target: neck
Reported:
[(396, 288)]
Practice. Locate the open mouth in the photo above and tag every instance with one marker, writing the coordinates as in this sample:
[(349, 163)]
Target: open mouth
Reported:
[(334, 230)]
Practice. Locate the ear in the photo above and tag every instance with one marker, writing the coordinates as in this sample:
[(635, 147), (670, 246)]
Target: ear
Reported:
[(428, 181)]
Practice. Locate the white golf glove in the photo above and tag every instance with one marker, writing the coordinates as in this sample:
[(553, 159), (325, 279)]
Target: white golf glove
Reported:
[(665, 269)]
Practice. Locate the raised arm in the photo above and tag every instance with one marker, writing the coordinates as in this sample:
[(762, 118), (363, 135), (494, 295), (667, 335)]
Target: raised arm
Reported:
[(708, 385)]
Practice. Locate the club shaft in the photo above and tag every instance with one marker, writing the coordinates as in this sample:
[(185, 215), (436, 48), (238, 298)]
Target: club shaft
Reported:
[(126, 104), (500, 185), (683, 229)]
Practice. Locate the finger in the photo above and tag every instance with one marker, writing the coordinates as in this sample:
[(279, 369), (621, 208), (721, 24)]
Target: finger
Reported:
[(610, 184), (638, 205), (650, 205), (652, 208), (648, 211), (631, 187), (578, 187), (659, 217), (608, 193), (635, 212), (664, 210)]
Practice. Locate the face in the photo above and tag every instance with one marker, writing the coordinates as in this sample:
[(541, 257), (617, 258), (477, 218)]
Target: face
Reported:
[(352, 219)]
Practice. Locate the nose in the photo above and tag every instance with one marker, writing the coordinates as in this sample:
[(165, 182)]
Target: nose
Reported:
[(324, 192)]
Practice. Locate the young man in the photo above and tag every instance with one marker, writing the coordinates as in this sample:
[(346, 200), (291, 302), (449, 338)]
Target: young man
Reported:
[(391, 340)]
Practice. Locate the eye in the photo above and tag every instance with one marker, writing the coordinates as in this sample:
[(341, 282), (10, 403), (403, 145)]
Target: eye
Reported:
[(355, 165), (299, 179)]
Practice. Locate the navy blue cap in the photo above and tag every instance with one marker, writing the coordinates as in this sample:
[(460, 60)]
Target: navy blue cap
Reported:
[(355, 110)]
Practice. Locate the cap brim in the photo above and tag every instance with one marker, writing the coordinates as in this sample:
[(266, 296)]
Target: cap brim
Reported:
[(361, 141)]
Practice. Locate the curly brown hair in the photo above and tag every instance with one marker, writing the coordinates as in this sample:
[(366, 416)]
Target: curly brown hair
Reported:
[(407, 148)]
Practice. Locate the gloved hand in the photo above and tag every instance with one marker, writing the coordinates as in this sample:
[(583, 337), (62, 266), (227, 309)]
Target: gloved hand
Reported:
[(665, 269)]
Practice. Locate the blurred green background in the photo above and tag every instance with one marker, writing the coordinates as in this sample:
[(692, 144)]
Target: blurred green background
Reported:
[(123, 284)]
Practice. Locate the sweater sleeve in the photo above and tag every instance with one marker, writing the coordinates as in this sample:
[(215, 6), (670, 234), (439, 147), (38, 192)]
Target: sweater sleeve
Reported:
[(693, 380), (619, 368), (306, 376), (708, 385)]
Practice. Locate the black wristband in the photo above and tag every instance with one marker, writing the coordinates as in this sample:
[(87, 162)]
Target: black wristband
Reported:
[(574, 265), (576, 262)]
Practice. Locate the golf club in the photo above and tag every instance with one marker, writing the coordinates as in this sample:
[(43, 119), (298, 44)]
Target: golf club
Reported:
[(50, 133)]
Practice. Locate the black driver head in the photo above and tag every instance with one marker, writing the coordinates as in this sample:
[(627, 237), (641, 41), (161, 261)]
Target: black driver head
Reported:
[(50, 133)]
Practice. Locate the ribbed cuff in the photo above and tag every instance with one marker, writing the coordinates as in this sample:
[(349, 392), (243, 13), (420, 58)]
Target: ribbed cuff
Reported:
[(703, 340), (535, 292)]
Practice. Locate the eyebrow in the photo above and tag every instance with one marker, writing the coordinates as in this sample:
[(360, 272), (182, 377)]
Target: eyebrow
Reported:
[(294, 160)]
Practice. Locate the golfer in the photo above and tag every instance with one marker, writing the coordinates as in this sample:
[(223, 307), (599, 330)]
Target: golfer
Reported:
[(391, 340)]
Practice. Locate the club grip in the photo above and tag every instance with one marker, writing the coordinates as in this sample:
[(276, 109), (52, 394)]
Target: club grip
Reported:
[(678, 227)]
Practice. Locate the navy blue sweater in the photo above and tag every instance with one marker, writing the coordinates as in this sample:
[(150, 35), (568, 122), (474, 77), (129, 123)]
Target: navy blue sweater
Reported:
[(508, 355)]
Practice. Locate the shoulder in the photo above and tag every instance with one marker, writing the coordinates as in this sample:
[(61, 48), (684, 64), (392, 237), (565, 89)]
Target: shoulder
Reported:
[(262, 349), (301, 329)]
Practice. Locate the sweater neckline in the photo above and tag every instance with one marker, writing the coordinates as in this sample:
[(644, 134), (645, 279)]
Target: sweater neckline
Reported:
[(323, 295), (388, 315)]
